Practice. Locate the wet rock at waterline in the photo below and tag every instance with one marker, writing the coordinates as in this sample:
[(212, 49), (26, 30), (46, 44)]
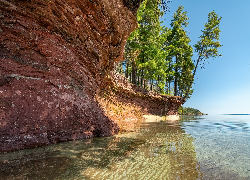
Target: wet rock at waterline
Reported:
[(54, 58)]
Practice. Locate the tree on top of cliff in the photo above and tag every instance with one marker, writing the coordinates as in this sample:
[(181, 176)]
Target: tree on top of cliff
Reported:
[(177, 43), (158, 57), (144, 50), (133, 5), (207, 46)]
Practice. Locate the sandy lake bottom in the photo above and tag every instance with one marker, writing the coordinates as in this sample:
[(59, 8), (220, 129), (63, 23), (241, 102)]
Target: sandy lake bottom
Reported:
[(205, 147)]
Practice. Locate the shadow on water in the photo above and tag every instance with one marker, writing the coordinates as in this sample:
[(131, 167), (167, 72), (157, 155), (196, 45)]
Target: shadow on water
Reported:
[(157, 150)]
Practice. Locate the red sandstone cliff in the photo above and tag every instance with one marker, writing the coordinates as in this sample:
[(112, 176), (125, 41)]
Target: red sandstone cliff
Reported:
[(55, 57)]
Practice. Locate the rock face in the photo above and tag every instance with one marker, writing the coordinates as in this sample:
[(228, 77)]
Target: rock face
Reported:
[(150, 101), (54, 58)]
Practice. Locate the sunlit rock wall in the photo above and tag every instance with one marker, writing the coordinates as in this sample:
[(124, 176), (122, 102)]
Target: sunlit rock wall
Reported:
[(149, 101), (54, 57)]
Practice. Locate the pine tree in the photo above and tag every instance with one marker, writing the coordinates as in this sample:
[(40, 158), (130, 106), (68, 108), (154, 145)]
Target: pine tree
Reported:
[(159, 56), (180, 53), (207, 46), (146, 43)]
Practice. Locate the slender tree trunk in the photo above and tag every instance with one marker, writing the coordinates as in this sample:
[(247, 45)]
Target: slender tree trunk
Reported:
[(133, 72), (130, 78), (166, 86), (169, 78), (169, 87), (142, 71), (138, 80), (196, 66), (197, 63), (175, 85), (151, 84), (142, 77), (127, 65), (175, 80), (158, 83)]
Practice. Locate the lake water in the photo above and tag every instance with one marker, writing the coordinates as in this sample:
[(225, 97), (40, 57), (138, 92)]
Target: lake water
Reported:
[(208, 147)]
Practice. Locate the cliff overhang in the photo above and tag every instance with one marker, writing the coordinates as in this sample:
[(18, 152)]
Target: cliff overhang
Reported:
[(55, 58)]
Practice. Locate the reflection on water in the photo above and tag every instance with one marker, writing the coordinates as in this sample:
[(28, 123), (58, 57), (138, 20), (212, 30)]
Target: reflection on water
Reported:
[(155, 151), (193, 148)]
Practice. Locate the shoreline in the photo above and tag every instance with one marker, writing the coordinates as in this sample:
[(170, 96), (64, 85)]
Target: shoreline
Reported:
[(155, 118)]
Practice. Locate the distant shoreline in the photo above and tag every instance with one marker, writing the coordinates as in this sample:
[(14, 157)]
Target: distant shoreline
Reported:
[(193, 114)]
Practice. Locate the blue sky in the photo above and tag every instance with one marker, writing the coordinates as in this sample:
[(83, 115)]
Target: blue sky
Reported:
[(224, 86)]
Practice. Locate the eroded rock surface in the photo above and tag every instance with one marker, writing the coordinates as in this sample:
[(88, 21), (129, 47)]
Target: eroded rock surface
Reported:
[(150, 101), (54, 58)]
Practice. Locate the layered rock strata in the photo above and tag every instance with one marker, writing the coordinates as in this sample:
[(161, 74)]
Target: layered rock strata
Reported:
[(149, 101), (54, 56)]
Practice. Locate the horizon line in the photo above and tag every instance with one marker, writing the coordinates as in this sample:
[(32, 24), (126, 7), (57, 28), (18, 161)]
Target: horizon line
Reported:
[(235, 114)]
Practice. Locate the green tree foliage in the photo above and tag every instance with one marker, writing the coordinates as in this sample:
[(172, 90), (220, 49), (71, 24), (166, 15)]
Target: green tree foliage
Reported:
[(144, 53), (160, 58), (180, 50), (189, 111), (208, 44), (149, 29)]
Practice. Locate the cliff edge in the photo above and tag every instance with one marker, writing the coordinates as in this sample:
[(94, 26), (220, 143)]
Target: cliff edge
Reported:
[(55, 59)]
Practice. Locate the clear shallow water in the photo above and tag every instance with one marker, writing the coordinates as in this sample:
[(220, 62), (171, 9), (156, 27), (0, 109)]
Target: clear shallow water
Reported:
[(210, 147), (222, 145)]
